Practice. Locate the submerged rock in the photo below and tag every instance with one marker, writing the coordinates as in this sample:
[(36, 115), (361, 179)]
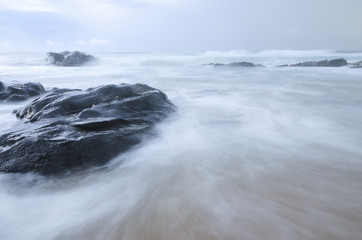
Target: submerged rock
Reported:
[(325, 63), (236, 64), (69, 129), (20, 91), (69, 58)]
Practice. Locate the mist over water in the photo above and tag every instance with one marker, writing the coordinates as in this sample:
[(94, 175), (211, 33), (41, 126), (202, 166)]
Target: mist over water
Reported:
[(251, 153)]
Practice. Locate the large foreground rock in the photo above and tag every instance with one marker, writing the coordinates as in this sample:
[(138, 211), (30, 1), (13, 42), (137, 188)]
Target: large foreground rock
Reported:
[(236, 64), (20, 91), (325, 63), (69, 58), (72, 129)]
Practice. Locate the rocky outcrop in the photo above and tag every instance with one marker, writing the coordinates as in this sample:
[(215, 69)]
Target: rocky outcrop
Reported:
[(325, 63), (68, 129), (69, 58), (20, 91), (236, 64)]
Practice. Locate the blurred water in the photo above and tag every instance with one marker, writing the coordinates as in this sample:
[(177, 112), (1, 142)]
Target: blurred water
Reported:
[(264, 153)]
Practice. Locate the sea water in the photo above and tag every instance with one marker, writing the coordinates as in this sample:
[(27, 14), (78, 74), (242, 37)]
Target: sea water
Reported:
[(251, 153)]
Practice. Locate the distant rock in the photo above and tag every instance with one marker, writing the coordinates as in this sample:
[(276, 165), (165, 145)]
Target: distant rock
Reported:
[(236, 64), (216, 64), (68, 129), (325, 63), (337, 62), (69, 58), (356, 64), (20, 91)]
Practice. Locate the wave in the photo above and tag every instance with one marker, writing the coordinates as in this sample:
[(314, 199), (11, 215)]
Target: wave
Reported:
[(282, 53), (269, 58)]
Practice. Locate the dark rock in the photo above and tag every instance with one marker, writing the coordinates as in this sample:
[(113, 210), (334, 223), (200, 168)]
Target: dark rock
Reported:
[(237, 64), (20, 91), (337, 62), (325, 63), (69, 129), (55, 58), (69, 58)]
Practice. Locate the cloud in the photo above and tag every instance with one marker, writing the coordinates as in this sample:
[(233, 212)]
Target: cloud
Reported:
[(160, 2), (91, 17), (6, 44), (27, 5), (293, 31), (64, 6), (80, 42), (53, 43), (166, 25), (93, 41), (98, 41)]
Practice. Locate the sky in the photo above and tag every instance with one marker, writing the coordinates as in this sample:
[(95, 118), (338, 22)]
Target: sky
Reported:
[(179, 25)]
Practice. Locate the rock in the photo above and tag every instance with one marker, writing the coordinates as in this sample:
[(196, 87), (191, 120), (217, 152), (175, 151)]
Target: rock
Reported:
[(68, 129), (325, 63), (356, 64), (244, 64), (236, 64), (20, 91), (216, 64), (337, 62), (69, 58)]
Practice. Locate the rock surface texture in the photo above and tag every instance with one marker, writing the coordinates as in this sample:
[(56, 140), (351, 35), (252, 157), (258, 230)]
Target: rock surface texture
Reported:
[(68, 129), (20, 91), (68, 59), (325, 63)]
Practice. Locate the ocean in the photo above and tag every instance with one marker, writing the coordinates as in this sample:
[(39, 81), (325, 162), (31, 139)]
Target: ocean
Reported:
[(250, 153)]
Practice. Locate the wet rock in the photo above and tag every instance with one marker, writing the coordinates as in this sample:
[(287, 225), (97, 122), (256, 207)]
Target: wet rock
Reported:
[(69, 129), (236, 64), (69, 58), (325, 63), (20, 91)]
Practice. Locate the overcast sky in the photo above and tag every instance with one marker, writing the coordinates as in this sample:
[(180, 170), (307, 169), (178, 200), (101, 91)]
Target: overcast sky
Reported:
[(179, 25)]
